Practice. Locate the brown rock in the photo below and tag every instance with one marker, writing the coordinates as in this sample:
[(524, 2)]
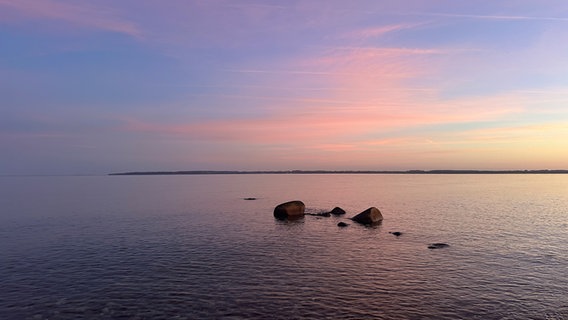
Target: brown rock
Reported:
[(289, 210), (369, 216)]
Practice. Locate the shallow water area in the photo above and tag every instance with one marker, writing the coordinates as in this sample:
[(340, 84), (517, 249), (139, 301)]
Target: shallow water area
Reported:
[(191, 247)]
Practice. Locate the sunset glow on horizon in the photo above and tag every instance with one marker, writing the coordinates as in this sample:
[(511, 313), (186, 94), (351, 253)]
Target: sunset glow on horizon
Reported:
[(91, 87)]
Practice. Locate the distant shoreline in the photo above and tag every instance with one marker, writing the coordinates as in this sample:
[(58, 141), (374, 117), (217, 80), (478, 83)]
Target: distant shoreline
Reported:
[(212, 172)]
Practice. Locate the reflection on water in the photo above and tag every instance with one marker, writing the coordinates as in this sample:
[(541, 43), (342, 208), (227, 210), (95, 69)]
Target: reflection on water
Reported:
[(190, 247)]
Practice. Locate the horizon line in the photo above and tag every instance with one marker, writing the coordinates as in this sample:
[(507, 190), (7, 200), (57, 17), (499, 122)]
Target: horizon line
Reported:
[(414, 171)]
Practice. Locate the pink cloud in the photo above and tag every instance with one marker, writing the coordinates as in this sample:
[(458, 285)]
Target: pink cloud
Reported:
[(362, 92), (367, 66), (315, 125)]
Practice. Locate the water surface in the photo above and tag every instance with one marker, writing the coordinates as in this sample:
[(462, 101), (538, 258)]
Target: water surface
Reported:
[(190, 247)]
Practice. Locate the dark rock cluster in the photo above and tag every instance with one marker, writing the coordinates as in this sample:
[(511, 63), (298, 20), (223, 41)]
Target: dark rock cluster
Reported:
[(293, 210)]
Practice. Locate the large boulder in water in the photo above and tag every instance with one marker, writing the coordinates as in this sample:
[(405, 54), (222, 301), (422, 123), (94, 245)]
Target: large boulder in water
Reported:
[(290, 210), (369, 216)]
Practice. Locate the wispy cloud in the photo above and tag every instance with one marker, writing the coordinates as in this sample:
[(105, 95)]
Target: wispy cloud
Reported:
[(295, 98), (276, 71), (297, 89), (488, 17), (376, 32), (253, 6), (501, 134), (84, 15), (382, 51)]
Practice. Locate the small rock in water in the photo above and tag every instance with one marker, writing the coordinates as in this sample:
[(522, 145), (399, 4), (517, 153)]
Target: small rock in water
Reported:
[(396, 233), (438, 245), (337, 211), (342, 224), (251, 198)]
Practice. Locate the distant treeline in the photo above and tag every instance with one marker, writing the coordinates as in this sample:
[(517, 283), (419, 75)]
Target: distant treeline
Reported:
[(198, 172)]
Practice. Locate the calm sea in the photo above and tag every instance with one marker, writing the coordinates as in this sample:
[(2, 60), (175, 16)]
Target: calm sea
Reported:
[(190, 247)]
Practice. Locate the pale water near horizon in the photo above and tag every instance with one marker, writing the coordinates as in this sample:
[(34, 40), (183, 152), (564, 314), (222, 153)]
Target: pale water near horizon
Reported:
[(190, 247)]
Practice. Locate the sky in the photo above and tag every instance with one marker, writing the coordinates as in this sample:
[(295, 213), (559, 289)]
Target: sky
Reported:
[(100, 86)]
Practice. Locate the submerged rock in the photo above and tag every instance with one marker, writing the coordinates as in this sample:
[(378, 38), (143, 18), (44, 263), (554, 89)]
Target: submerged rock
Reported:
[(319, 214), (342, 224), (438, 245), (370, 216), (396, 233), (290, 210), (337, 211)]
